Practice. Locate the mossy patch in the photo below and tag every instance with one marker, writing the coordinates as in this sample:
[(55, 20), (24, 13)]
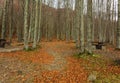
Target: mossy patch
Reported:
[(32, 49), (116, 62), (85, 54)]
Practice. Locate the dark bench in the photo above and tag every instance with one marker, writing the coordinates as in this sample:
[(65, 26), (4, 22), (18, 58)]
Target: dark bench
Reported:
[(3, 42), (98, 45)]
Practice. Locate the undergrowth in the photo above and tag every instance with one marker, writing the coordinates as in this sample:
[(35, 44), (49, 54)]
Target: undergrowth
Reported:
[(106, 73), (85, 54), (31, 48)]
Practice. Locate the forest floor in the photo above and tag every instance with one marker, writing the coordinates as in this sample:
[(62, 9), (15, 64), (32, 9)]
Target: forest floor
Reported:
[(58, 62)]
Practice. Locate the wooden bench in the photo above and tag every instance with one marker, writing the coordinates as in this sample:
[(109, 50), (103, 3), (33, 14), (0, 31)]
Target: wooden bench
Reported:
[(3, 42), (98, 45)]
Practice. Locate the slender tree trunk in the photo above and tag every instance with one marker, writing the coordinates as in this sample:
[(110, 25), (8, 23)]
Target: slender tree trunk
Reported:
[(19, 32), (32, 22), (26, 24), (36, 25), (0, 12), (82, 39), (67, 21), (100, 20), (89, 26), (4, 20), (39, 26), (58, 21), (77, 22), (11, 21)]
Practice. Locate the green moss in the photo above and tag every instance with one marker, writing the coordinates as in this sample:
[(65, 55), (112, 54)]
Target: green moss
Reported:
[(85, 55), (116, 62), (32, 49), (99, 63), (29, 49)]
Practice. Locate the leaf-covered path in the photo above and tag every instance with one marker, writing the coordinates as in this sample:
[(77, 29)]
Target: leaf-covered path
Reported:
[(63, 68), (60, 51), (50, 64)]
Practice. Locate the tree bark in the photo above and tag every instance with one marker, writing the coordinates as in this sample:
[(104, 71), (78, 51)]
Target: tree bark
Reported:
[(4, 20), (77, 22), (36, 24), (118, 28), (82, 39), (26, 24), (11, 20), (89, 25)]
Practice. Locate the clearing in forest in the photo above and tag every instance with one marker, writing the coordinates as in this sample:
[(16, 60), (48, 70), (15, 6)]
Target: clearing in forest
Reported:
[(51, 63), (54, 63)]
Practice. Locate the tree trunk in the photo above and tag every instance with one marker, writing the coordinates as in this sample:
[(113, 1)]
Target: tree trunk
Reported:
[(11, 20), (36, 24), (118, 28), (67, 21), (32, 22), (77, 22), (39, 25), (4, 20), (82, 41), (26, 24), (89, 25)]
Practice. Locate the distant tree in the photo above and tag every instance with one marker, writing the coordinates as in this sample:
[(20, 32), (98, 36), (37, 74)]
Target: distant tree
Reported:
[(32, 21), (39, 25), (1, 10), (50, 21), (58, 20), (77, 22), (18, 20), (11, 20), (67, 4)]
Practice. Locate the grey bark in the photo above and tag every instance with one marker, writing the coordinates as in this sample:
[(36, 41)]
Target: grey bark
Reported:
[(82, 39), (26, 24), (4, 20), (36, 25), (89, 25), (77, 22)]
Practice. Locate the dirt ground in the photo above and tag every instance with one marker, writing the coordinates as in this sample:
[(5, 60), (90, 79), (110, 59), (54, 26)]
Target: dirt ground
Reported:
[(52, 63)]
